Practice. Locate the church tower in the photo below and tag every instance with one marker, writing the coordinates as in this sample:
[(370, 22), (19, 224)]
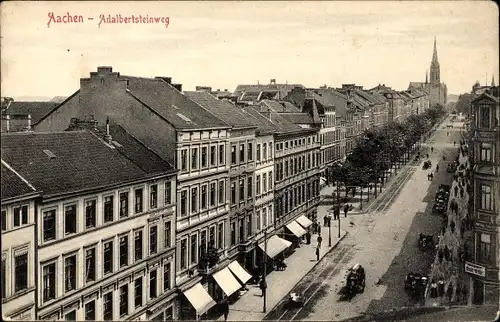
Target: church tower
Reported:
[(435, 77)]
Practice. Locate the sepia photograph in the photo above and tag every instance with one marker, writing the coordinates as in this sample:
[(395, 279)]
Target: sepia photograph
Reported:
[(250, 160)]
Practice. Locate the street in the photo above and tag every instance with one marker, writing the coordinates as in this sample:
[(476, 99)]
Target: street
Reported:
[(383, 240)]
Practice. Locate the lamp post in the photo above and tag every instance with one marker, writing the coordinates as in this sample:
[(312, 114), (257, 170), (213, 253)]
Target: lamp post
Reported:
[(338, 205), (264, 290), (330, 232)]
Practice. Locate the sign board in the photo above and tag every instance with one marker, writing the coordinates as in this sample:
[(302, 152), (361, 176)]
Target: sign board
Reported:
[(475, 269)]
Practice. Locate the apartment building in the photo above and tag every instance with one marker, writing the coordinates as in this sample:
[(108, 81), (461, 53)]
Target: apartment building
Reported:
[(485, 143), (421, 97), (195, 142), (106, 217), (18, 246), (394, 99)]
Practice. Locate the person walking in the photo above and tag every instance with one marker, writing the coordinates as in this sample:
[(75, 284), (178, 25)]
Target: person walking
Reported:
[(224, 306), (320, 239), (437, 167), (432, 149), (346, 209), (262, 286), (325, 220), (317, 253)]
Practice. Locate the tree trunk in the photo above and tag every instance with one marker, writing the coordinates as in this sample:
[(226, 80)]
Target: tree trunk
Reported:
[(361, 200)]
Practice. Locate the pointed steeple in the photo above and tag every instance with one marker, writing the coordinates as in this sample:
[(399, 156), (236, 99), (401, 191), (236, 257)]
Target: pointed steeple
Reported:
[(426, 78), (435, 53), (493, 81)]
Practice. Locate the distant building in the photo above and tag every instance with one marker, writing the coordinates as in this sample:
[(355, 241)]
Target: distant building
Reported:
[(18, 116), (438, 91)]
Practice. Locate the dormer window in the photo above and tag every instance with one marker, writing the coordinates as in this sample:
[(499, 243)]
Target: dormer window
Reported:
[(485, 116)]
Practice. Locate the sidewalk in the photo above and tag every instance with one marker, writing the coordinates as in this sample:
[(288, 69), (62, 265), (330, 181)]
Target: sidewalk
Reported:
[(281, 283)]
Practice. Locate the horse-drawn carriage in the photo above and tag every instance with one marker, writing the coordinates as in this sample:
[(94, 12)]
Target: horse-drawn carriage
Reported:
[(355, 280), (415, 284), (427, 165), (425, 242)]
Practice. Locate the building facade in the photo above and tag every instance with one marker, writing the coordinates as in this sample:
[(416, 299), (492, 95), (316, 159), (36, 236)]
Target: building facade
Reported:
[(18, 246), (485, 138)]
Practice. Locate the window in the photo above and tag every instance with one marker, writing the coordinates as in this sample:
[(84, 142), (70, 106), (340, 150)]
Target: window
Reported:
[(138, 200), (257, 186), (90, 311), (153, 284), (4, 279), (220, 238), (90, 213), (49, 225), (204, 157), (184, 160), (485, 116), (69, 219), (258, 152), (194, 247), (258, 220), (249, 187), (203, 242), (211, 237), (4, 221), (108, 209), (70, 316), (20, 216), (242, 230), (168, 193), (90, 263), (21, 272), (221, 192), (167, 280), (270, 150), (194, 200), (124, 300), (108, 306), (124, 204), (242, 189), (153, 240), (264, 217), (108, 257), (242, 153), (249, 225), (194, 158), (123, 251), (138, 292), (233, 233), (233, 154), (233, 193), (183, 203), (264, 183), (270, 218), (49, 282), (212, 155), (286, 168), (204, 197), (167, 234), (213, 196), (270, 180), (222, 155), (250, 152), (486, 152), (70, 273), (153, 196), (138, 245), (183, 254), (486, 203), (485, 248), (264, 152)]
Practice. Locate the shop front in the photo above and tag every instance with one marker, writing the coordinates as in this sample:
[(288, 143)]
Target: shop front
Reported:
[(297, 233), (274, 249), (195, 303)]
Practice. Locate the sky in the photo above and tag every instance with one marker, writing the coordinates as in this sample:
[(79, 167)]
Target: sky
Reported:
[(223, 44)]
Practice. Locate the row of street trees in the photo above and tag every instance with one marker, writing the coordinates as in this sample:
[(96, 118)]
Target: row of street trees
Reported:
[(379, 149)]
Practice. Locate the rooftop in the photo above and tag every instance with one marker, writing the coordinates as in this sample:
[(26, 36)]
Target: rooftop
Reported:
[(13, 185), (37, 110)]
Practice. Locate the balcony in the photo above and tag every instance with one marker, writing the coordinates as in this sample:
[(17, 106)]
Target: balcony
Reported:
[(208, 261)]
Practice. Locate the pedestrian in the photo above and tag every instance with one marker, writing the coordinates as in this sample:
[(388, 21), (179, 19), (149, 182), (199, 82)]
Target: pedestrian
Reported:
[(325, 220), (432, 149), (320, 239), (319, 228), (454, 143), (432, 176), (308, 238), (336, 212), (263, 286), (346, 209), (224, 306), (427, 155), (317, 253), (437, 167)]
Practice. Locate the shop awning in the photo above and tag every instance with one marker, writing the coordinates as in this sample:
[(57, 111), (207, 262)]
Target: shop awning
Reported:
[(275, 245), (239, 271), (304, 221), (296, 229), (199, 298), (227, 281)]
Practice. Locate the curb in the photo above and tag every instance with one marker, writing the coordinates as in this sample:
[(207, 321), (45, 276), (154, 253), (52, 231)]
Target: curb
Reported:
[(302, 278)]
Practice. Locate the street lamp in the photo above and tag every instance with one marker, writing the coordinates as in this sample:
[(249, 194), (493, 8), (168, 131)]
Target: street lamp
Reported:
[(330, 231), (264, 289), (338, 205)]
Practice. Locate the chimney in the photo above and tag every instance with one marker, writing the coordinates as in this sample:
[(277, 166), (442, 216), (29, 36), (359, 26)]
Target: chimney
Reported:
[(273, 81), (177, 87), (225, 89), (108, 137), (28, 127), (7, 123), (104, 69), (168, 80)]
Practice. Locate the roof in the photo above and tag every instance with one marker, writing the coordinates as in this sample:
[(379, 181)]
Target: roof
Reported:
[(281, 107), (264, 125), (488, 96), (298, 118), (37, 110), (331, 97), (13, 185), (371, 98), (173, 105), (284, 89), (282, 125), (65, 162), (224, 110)]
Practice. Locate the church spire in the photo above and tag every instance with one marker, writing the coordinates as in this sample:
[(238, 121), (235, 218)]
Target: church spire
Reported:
[(435, 53), (493, 80), (426, 78), (435, 74)]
